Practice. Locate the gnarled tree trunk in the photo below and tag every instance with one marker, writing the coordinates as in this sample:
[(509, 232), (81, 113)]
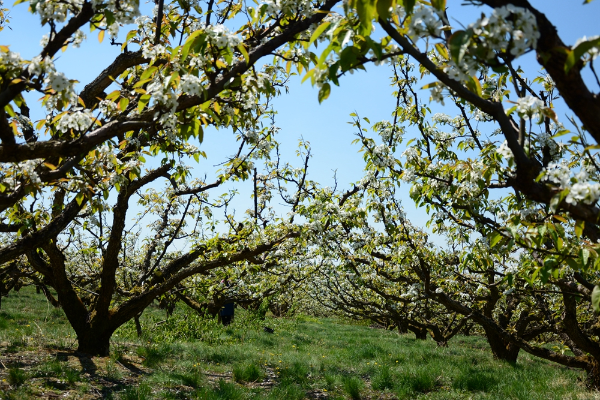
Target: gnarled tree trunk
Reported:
[(502, 350)]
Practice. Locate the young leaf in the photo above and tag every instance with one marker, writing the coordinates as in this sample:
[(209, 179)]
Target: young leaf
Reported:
[(596, 298), (579, 225), (324, 92), (383, 8), (143, 101), (439, 4), (574, 55), (318, 32), (494, 238), (242, 49), (459, 42), (366, 11), (409, 5), (474, 85)]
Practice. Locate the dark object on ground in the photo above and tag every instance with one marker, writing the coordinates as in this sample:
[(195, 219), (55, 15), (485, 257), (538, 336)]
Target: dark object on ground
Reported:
[(268, 330), (227, 313)]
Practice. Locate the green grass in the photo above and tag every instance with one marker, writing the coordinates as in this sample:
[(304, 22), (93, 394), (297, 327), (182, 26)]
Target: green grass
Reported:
[(249, 372), (304, 356), (16, 377)]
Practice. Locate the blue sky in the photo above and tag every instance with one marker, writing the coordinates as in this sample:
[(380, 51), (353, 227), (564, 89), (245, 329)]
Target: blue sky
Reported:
[(324, 125)]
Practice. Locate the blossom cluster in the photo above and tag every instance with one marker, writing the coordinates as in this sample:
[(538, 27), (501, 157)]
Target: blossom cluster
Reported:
[(191, 85), (505, 151), (77, 120), (507, 28), (221, 36), (14, 174), (425, 21), (382, 156), (273, 7), (530, 107), (580, 189)]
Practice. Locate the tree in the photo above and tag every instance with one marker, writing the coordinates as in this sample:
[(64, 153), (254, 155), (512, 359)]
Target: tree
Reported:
[(190, 72), (67, 180), (530, 197), (106, 273)]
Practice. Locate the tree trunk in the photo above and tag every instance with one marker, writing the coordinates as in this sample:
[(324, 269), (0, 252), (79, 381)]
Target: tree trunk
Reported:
[(138, 326), (94, 343), (502, 350), (467, 329), (592, 380), (420, 333), (402, 326)]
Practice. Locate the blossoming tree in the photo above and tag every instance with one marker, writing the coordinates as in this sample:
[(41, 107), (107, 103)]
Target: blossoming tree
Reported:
[(183, 68), (501, 173), (518, 263), (189, 72)]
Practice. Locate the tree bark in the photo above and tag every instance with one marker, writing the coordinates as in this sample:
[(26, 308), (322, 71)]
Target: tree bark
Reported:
[(420, 333), (592, 380), (402, 326), (138, 326), (501, 349), (94, 342)]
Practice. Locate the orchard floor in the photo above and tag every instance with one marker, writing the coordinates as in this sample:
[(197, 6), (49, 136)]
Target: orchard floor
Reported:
[(185, 357)]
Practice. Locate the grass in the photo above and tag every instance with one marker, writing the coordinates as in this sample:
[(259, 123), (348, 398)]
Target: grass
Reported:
[(249, 372), (306, 357)]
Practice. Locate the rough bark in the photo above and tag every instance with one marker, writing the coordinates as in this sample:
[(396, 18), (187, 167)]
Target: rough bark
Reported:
[(501, 349)]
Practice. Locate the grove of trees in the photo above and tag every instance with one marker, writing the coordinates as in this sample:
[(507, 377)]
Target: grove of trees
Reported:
[(510, 188)]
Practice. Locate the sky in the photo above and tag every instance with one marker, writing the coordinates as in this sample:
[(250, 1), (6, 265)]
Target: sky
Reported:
[(299, 113)]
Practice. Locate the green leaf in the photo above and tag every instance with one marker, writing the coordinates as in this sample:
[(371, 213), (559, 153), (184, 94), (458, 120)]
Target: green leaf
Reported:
[(383, 8), (80, 198), (110, 17), (130, 35), (430, 85), (439, 4), (459, 42), (494, 238), (573, 264), (585, 255), (409, 5), (143, 101), (366, 11), (596, 298), (474, 85), (320, 29), (579, 225), (442, 50), (324, 92), (242, 48), (557, 199), (193, 42), (308, 75), (148, 73), (123, 103), (9, 110), (574, 55)]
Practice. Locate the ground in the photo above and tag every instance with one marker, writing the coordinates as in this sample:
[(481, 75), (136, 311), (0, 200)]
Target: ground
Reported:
[(187, 357)]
